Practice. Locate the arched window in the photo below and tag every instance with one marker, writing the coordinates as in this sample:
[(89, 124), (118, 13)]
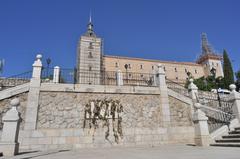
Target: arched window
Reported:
[(90, 54)]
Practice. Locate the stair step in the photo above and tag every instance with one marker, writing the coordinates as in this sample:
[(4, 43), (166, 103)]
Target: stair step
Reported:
[(237, 128), (235, 132), (232, 140), (226, 144), (231, 136)]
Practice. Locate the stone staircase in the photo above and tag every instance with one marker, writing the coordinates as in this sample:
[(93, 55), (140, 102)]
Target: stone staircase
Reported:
[(230, 140)]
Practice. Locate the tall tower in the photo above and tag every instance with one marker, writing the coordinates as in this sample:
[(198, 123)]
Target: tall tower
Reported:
[(89, 57), (209, 59)]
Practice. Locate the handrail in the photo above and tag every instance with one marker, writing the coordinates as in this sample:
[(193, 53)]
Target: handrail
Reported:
[(177, 87), (15, 80), (217, 118)]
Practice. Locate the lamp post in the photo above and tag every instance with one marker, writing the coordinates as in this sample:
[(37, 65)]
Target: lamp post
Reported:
[(126, 67), (213, 72), (1, 65), (48, 60)]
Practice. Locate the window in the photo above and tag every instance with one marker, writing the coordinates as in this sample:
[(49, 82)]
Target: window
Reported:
[(175, 69), (195, 71), (129, 66), (90, 68), (152, 67), (116, 64), (141, 66), (129, 74), (164, 68), (176, 78), (185, 70), (90, 55), (90, 45)]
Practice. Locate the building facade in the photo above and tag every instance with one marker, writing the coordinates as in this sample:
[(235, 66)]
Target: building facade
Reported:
[(91, 60)]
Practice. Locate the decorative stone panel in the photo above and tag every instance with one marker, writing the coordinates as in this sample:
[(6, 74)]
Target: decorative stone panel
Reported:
[(66, 110), (180, 113)]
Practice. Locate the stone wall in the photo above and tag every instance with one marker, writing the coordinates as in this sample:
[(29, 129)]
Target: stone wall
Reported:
[(5, 106), (61, 119), (180, 113)]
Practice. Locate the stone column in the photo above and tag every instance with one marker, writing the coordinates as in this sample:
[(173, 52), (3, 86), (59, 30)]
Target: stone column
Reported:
[(200, 119), (33, 95), (56, 74), (193, 90), (161, 82), (9, 141), (119, 78), (235, 98)]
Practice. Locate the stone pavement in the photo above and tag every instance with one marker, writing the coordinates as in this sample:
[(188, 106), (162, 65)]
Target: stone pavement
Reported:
[(163, 152)]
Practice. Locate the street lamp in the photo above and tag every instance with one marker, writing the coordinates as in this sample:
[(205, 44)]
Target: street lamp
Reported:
[(213, 72), (126, 67), (48, 60)]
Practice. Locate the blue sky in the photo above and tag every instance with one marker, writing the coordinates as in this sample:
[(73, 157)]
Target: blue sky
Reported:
[(153, 29)]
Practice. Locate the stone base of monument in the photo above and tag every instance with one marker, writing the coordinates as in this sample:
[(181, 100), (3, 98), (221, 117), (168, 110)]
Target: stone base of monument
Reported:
[(9, 149)]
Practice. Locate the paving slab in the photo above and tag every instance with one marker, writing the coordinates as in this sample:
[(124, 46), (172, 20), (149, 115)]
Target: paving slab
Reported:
[(160, 152)]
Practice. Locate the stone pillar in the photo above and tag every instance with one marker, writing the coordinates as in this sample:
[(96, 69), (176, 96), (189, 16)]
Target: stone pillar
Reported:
[(56, 74), (161, 82), (9, 141), (119, 78), (235, 98), (193, 90), (33, 95), (200, 119)]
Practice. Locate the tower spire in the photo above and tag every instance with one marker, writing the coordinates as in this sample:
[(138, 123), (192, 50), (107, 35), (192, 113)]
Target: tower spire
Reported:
[(90, 31), (90, 17)]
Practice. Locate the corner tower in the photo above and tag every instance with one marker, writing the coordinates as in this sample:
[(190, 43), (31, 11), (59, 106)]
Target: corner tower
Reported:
[(89, 57), (209, 59)]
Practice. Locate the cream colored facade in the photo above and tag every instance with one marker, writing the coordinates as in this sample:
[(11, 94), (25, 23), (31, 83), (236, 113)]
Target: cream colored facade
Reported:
[(176, 71)]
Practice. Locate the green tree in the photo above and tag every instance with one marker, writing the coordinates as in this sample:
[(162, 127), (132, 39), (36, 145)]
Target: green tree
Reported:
[(227, 70), (237, 74), (207, 83)]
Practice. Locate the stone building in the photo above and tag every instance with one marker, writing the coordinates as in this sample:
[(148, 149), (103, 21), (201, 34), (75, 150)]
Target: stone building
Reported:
[(91, 59)]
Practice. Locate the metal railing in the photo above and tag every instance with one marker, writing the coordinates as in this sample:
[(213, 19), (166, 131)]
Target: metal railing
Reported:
[(140, 79), (177, 87), (214, 100), (218, 109), (95, 77), (15, 80), (218, 118)]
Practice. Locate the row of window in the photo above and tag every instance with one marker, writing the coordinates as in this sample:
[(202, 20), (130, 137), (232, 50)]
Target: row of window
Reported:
[(128, 66), (213, 64)]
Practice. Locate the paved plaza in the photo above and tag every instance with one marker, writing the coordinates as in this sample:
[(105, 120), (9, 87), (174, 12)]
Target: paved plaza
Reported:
[(163, 152)]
